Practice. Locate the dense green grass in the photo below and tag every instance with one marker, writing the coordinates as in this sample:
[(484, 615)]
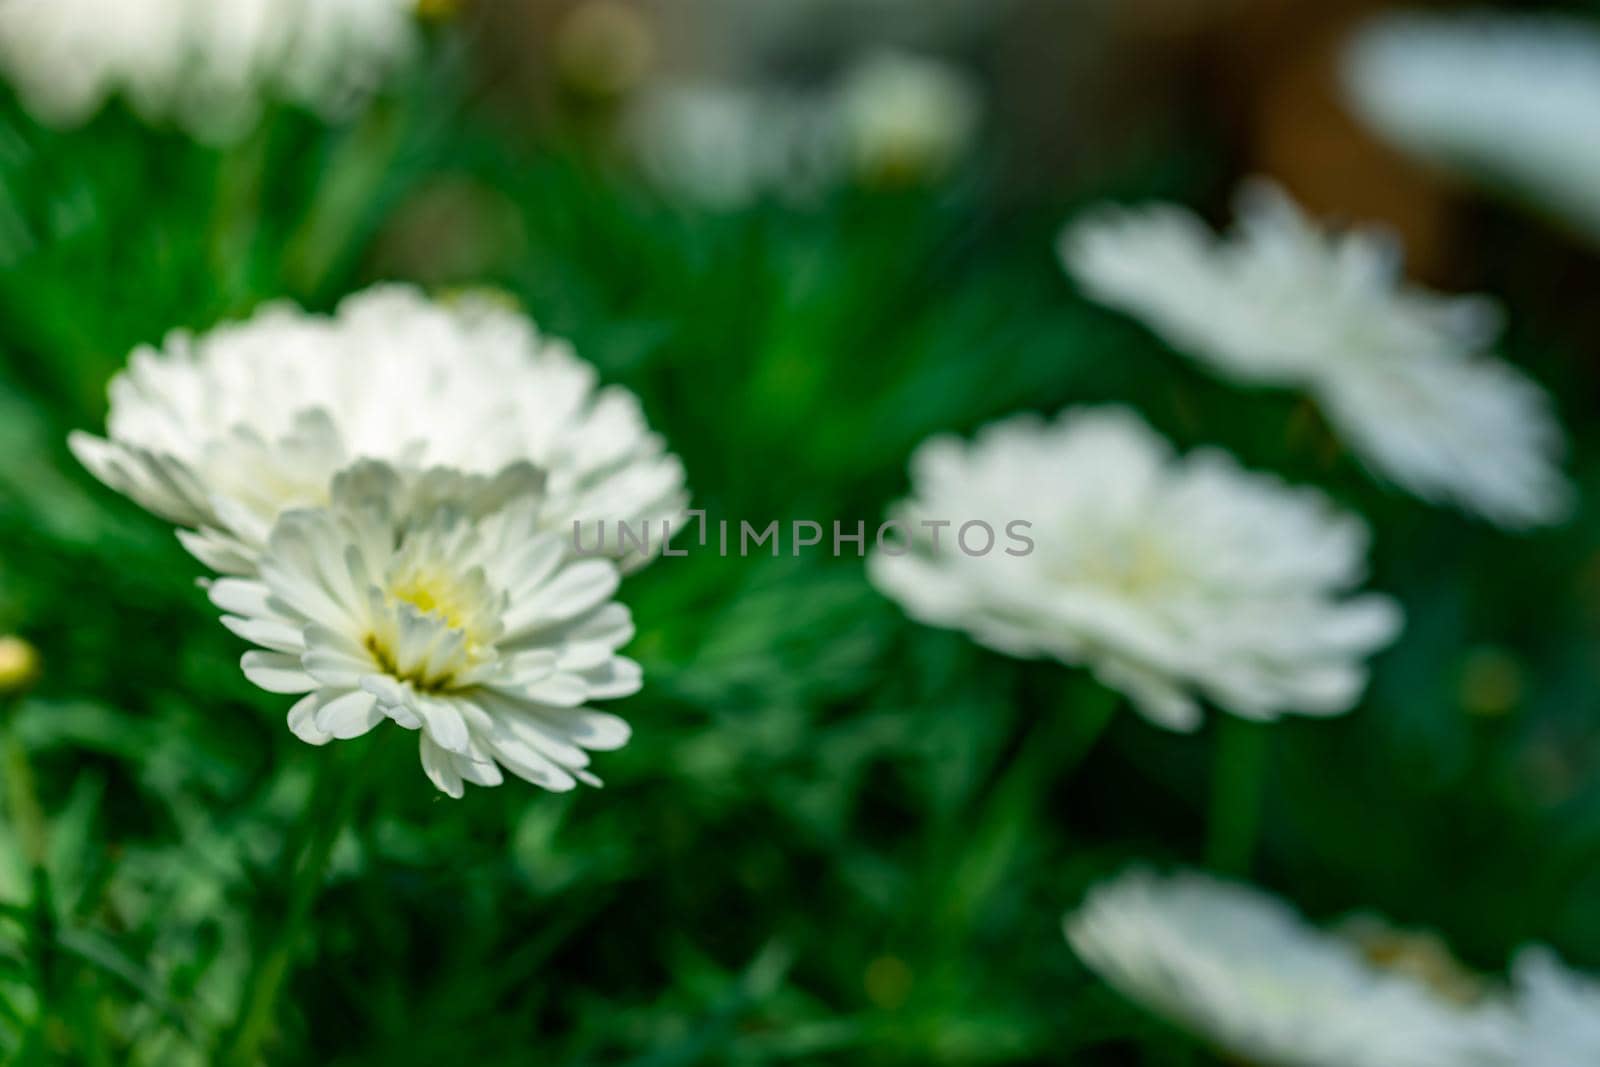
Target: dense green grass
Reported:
[(837, 837)]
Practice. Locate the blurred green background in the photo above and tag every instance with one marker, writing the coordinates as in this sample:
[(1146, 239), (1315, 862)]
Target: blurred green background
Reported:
[(804, 856)]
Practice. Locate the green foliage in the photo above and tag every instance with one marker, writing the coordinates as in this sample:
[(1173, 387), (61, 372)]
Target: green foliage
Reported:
[(805, 855)]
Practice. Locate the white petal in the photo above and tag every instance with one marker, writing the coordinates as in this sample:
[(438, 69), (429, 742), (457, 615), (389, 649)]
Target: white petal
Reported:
[(238, 596), (269, 633), (276, 672), (443, 722), (302, 720), (349, 715), (440, 767)]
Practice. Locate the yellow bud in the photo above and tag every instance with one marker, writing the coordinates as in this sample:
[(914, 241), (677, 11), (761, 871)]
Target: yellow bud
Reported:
[(1492, 682), (19, 665), (454, 295), (605, 48), (888, 981), (439, 10)]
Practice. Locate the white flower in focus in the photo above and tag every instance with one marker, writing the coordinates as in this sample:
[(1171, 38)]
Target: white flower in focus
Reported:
[(1171, 579), (1559, 1012), (221, 433), (1242, 971), (206, 64), (906, 118), (1400, 372), (438, 601), (1510, 100)]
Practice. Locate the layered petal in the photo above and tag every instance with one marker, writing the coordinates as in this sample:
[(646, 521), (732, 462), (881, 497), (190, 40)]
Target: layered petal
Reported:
[(224, 433), (410, 598)]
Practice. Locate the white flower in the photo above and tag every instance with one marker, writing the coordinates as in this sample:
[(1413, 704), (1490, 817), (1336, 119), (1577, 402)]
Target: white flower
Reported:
[(1400, 372), (1242, 971), (438, 601), (221, 433), (1170, 578), (206, 64), (905, 117), (892, 119), (727, 146), (1512, 100), (1559, 1012)]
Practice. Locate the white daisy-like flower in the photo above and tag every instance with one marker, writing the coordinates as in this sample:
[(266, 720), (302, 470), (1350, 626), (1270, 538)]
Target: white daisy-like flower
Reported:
[(1510, 100), (1559, 1012), (1402, 373), (1243, 972), (206, 64), (1171, 579), (438, 600), (223, 432)]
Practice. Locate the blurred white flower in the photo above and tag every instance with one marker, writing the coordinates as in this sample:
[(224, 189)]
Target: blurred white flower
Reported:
[(1511, 100), (906, 118), (439, 601), (727, 146), (1171, 579), (1242, 971), (221, 433), (1559, 1011), (1401, 372), (206, 64), (892, 119)]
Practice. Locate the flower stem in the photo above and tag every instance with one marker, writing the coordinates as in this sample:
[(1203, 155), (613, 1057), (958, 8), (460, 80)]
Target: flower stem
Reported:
[(1054, 746), (306, 857), (331, 228), (22, 799), (27, 815), (1238, 776), (240, 183)]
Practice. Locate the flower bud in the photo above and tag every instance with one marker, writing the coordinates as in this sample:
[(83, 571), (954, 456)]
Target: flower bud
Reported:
[(19, 665)]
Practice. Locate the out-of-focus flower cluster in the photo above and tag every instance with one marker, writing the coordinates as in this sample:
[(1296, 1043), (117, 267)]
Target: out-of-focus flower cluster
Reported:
[(204, 65), (391, 499), (894, 119)]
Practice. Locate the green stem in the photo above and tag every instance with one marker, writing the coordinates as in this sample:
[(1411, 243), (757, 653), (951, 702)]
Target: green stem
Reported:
[(306, 857), (27, 814), (331, 228), (1055, 745), (22, 798), (240, 182), (1238, 779)]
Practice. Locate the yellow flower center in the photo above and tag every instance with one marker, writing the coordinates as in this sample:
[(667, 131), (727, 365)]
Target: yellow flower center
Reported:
[(462, 609), (1132, 564), (433, 596), (1421, 957)]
